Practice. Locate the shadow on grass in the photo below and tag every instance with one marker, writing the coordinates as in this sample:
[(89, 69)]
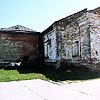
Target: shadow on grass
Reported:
[(71, 74), (65, 72)]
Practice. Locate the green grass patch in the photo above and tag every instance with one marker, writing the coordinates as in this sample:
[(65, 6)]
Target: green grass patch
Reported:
[(14, 75)]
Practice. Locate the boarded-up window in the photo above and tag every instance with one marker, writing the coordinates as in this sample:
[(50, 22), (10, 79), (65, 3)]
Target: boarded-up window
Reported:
[(76, 48)]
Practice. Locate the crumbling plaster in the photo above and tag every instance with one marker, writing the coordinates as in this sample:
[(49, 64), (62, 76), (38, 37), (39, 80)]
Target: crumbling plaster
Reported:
[(76, 37), (95, 35)]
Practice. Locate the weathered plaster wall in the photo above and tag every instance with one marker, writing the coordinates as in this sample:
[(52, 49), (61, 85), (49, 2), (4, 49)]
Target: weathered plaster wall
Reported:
[(76, 37), (15, 46), (84, 37), (95, 35), (73, 38), (50, 46)]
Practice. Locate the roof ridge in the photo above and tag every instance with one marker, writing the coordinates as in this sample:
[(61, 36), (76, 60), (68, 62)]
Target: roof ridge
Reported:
[(19, 28)]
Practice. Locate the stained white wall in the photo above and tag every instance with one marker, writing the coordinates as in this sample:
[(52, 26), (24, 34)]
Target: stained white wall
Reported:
[(95, 35), (75, 39), (50, 46)]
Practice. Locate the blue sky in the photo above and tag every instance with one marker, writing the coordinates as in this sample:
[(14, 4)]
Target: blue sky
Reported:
[(40, 14)]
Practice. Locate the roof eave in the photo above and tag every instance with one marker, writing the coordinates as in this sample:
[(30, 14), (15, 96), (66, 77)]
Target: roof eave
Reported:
[(51, 27), (19, 32)]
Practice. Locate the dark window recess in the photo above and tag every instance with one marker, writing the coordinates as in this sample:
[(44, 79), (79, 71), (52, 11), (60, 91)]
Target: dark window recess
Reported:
[(77, 47), (49, 42), (96, 53)]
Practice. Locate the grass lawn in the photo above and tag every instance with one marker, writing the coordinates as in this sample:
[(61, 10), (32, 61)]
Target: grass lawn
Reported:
[(14, 75)]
